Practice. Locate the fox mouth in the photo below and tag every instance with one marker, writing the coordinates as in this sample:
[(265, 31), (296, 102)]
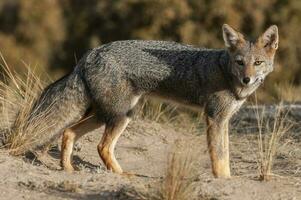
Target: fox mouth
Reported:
[(258, 81)]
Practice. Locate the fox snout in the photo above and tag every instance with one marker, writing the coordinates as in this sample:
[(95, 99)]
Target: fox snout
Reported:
[(247, 81), (248, 75)]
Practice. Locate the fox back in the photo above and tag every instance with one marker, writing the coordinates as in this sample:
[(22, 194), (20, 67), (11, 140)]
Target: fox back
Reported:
[(169, 69)]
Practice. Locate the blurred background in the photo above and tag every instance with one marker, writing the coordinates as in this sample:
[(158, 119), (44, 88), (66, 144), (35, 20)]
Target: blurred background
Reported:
[(51, 35)]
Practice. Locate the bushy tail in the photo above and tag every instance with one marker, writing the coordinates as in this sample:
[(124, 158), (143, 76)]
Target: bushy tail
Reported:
[(62, 104), (38, 119)]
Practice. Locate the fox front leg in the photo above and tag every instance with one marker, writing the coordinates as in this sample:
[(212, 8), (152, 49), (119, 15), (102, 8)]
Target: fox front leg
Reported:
[(218, 144)]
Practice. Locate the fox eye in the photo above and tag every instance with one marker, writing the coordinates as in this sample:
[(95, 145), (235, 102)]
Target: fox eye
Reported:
[(239, 62), (258, 63)]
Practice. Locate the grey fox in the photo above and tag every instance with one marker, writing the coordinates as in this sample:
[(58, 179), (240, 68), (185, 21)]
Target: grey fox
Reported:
[(113, 77)]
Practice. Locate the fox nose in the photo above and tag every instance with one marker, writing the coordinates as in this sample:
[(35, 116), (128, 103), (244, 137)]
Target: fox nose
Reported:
[(246, 80)]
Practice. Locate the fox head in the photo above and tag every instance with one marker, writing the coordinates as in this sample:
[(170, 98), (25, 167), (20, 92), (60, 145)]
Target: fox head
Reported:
[(251, 62)]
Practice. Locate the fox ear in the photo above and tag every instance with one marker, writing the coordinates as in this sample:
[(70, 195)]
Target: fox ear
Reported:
[(232, 37), (269, 38)]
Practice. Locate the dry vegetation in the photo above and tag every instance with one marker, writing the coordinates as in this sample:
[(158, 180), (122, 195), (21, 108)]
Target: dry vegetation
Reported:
[(178, 182), (270, 134), (18, 94), (159, 112), (180, 172), (172, 114), (288, 92)]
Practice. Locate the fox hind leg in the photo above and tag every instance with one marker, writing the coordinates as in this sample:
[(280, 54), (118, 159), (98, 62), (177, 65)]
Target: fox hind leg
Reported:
[(67, 148), (107, 144), (71, 135)]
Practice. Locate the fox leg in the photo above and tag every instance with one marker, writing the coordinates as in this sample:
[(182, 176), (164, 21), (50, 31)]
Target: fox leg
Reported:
[(67, 149), (107, 144), (71, 135), (226, 148), (218, 144)]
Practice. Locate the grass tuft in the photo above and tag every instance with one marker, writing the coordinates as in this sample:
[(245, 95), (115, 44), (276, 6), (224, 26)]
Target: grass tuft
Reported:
[(178, 182), (270, 133), (18, 94)]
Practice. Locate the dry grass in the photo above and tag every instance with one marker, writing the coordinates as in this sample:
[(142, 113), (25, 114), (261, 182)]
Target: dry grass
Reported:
[(168, 113), (273, 93), (288, 92), (270, 134), (18, 93), (160, 112), (178, 183)]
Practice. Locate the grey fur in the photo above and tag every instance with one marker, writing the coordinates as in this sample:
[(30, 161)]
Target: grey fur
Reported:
[(110, 76)]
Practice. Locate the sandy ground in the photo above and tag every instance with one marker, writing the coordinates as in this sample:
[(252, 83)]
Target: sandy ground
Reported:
[(143, 150)]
